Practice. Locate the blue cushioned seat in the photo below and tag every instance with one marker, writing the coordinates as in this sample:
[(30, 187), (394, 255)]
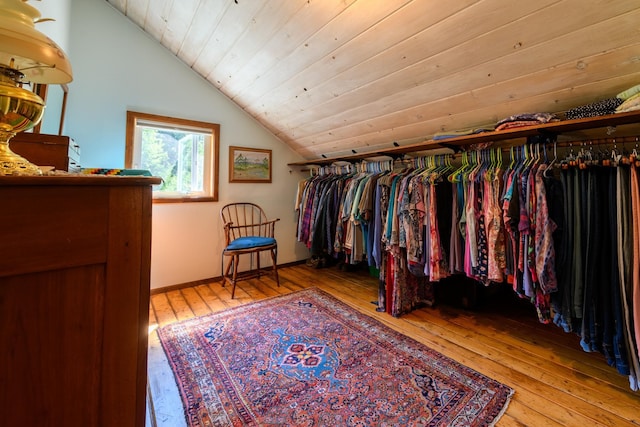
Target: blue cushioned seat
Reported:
[(250, 242)]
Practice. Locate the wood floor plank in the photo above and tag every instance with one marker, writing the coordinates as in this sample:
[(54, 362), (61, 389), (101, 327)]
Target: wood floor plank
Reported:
[(254, 289), (508, 420), (210, 298), (179, 304), (529, 417), (555, 382), (163, 311), (152, 316), (272, 288), (301, 277), (224, 292), (195, 302), (289, 283)]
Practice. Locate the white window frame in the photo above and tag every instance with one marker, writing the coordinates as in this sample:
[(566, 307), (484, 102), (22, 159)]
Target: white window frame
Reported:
[(136, 121)]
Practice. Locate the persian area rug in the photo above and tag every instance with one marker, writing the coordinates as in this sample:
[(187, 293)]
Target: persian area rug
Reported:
[(307, 359)]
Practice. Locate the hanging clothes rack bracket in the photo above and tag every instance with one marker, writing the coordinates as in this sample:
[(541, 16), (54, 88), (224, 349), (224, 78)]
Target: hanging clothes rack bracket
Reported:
[(456, 148), (394, 156)]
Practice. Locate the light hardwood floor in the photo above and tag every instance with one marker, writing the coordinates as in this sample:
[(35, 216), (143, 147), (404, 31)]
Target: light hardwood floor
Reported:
[(555, 382)]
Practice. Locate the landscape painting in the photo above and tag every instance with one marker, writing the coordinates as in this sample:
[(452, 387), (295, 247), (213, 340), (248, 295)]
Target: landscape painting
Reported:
[(249, 165)]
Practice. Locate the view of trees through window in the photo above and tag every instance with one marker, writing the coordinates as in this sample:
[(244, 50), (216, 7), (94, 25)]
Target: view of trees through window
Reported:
[(176, 156)]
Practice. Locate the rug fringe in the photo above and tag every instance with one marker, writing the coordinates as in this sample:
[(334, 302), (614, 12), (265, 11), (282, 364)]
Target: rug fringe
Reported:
[(504, 409)]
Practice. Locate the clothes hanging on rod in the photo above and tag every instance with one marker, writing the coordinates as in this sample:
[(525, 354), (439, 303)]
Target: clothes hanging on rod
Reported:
[(597, 283), (366, 215), (334, 206), (564, 233), (570, 243), (409, 229)]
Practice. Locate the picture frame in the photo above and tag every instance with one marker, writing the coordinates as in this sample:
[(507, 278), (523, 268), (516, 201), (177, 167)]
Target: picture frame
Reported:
[(249, 165)]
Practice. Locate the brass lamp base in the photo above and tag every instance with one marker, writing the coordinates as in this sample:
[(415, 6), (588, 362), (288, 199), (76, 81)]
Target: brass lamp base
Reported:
[(20, 110), (12, 163)]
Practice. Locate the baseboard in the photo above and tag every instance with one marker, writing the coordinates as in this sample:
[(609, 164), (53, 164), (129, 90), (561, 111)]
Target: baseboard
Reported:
[(207, 281)]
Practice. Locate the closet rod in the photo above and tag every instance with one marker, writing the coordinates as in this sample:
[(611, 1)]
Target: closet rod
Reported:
[(600, 141), (619, 140)]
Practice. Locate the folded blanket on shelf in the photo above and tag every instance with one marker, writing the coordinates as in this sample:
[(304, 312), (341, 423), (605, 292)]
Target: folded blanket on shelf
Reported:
[(598, 108), (457, 133), (516, 124), (631, 104), (626, 94), (535, 118)]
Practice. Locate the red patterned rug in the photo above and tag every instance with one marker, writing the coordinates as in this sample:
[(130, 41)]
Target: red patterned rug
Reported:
[(307, 359)]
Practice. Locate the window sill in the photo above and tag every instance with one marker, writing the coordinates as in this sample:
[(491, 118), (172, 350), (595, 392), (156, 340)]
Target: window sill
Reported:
[(185, 199)]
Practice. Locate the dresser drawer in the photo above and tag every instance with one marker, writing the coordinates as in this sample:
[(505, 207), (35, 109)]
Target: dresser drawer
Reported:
[(58, 151)]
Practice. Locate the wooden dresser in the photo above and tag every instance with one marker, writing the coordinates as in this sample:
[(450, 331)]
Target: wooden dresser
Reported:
[(74, 300)]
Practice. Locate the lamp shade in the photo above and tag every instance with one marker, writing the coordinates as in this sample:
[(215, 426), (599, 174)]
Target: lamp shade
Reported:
[(26, 49)]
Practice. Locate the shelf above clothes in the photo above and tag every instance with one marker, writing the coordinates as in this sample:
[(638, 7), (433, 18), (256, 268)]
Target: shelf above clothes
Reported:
[(458, 143)]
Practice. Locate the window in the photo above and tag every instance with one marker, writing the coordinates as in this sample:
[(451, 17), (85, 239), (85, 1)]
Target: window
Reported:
[(184, 153)]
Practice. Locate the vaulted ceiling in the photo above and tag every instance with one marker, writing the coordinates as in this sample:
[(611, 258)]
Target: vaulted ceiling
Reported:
[(331, 76)]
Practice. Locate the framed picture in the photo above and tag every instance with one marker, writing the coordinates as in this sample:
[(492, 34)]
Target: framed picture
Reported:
[(249, 165)]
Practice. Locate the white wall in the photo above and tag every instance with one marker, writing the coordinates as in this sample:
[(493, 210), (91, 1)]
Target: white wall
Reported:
[(58, 31), (118, 68)]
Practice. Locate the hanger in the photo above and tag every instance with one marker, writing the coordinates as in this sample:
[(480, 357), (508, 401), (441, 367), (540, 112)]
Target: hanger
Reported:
[(454, 177), (530, 155), (466, 174), (512, 154), (438, 169), (484, 165), (445, 165), (490, 164), (615, 156), (477, 170), (497, 167), (536, 154), (555, 157)]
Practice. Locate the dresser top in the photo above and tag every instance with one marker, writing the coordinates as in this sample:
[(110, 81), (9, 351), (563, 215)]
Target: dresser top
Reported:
[(78, 180)]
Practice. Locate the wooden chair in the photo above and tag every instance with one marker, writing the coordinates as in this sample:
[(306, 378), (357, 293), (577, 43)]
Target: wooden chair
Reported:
[(247, 231)]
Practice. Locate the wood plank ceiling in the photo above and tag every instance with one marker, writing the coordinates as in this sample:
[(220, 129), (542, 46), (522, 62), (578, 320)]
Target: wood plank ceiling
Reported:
[(331, 76)]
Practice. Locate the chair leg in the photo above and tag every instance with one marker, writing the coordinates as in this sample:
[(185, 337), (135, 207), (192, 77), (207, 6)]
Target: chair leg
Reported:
[(222, 269), (258, 263), (222, 272), (236, 258), (225, 274), (274, 258)]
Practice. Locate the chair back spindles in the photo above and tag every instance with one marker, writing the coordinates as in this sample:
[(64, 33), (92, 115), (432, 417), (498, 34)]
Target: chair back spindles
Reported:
[(247, 231), (246, 219)]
